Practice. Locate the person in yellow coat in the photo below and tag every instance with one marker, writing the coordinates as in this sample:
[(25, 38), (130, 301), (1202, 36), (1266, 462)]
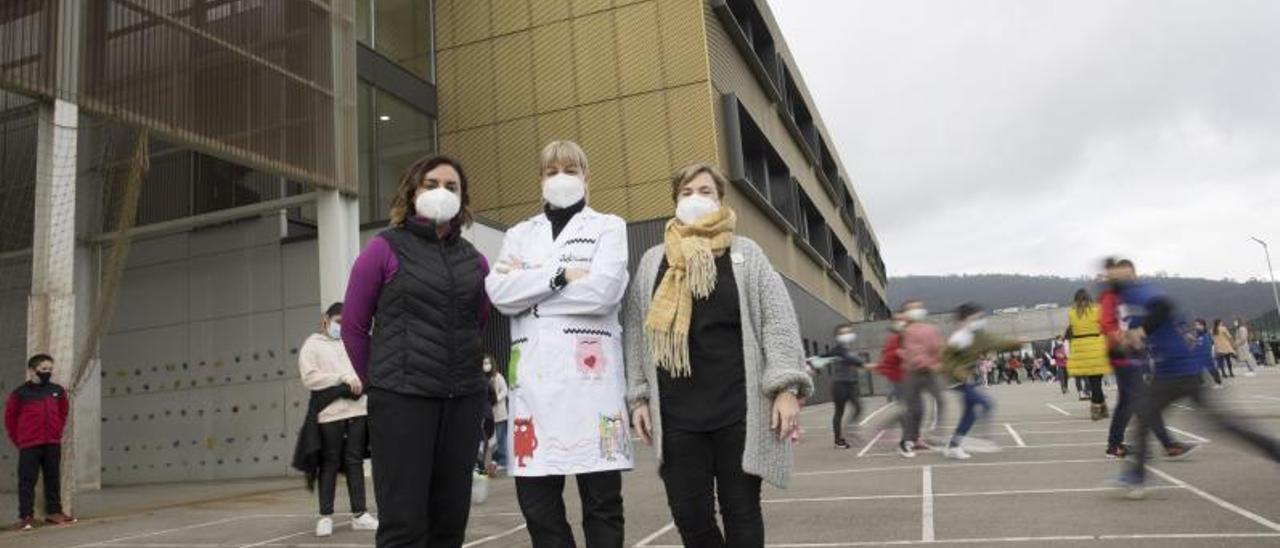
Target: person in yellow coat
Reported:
[(1087, 350)]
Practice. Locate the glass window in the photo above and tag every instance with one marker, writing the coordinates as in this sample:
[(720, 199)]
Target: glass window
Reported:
[(392, 135), (401, 30)]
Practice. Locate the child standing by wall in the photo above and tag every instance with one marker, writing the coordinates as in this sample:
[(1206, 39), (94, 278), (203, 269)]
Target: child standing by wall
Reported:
[(34, 417)]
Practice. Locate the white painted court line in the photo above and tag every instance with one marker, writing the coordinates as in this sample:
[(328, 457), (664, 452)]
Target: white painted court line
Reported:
[(1187, 434), (1271, 398), (1061, 538), (1091, 431), (931, 495), (286, 537), (1058, 409), (492, 538), (1211, 498), (871, 443), (644, 542), (868, 418), (1016, 438), (949, 465), (926, 504), (164, 531), (1040, 446)]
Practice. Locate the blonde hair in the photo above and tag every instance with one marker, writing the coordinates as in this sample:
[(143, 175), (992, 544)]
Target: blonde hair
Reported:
[(563, 154), (687, 173)]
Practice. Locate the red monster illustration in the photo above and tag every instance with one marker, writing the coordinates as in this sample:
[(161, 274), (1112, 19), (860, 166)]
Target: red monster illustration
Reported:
[(590, 357), (526, 440)]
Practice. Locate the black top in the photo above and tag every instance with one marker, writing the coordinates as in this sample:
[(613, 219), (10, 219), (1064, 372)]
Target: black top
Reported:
[(846, 365), (715, 394), (426, 340), (560, 217)]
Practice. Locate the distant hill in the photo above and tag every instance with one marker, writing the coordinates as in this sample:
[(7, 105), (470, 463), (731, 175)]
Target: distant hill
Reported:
[(1199, 297)]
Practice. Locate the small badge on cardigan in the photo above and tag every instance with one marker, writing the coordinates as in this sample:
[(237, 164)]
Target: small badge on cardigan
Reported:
[(737, 258)]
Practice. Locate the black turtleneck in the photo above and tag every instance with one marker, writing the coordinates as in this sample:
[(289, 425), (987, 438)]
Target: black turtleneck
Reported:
[(560, 217)]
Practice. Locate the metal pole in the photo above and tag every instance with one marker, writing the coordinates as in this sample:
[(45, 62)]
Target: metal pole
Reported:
[(1275, 293)]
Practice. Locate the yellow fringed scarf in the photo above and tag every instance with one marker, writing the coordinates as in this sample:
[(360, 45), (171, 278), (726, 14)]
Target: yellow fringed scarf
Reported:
[(691, 252)]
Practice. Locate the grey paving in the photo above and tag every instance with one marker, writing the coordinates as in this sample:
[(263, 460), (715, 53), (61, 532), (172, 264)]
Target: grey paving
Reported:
[(1047, 492)]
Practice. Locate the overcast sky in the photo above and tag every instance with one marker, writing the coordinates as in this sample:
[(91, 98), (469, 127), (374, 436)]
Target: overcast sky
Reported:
[(1038, 136)]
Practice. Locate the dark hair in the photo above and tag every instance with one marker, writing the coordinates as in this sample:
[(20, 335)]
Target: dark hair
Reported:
[(967, 309), (402, 205), (334, 309), (38, 359), (1201, 322), (1217, 322), (1083, 300)]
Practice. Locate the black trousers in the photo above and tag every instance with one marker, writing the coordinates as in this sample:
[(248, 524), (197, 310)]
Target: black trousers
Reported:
[(1226, 366), (32, 462), (542, 503), (342, 445), (423, 453), (844, 393), (1131, 388), (1096, 395), (696, 467), (1165, 391)]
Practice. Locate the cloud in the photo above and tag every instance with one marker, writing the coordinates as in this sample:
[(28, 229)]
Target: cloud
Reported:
[(1037, 137)]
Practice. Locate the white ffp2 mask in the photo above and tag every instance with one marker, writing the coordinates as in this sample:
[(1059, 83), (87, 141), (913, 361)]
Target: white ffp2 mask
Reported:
[(692, 208), (563, 190), (438, 204)]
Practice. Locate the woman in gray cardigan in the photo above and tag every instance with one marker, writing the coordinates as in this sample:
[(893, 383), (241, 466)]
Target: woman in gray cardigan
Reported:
[(714, 366)]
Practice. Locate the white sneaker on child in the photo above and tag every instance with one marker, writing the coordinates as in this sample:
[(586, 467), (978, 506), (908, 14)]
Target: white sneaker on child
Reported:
[(956, 453), (364, 522), (324, 527)]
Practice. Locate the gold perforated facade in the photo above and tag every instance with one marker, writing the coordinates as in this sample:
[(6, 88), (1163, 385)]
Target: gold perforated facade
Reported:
[(645, 86)]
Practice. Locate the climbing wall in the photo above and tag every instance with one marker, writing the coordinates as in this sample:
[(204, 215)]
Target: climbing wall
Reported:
[(199, 370), (200, 377)]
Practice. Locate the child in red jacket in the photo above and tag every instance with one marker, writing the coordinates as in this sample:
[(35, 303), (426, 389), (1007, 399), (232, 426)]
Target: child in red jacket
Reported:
[(34, 417)]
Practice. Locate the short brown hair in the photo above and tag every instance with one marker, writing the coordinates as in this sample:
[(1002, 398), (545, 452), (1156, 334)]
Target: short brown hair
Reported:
[(687, 173), (402, 205)]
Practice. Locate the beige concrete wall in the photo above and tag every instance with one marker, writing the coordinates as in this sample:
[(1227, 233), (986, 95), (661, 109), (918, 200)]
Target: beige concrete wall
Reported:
[(730, 73)]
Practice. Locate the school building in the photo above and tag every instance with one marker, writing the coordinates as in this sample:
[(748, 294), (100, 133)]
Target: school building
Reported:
[(184, 185)]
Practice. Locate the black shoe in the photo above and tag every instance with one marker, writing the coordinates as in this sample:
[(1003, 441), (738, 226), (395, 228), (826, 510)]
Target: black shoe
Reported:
[(842, 444), (1117, 452)]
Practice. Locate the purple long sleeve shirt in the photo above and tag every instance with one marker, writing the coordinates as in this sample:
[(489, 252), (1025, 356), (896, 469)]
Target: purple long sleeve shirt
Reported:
[(375, 268)]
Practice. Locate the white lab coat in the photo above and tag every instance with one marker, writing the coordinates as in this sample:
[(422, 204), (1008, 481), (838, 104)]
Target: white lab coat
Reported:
[(567, 401)]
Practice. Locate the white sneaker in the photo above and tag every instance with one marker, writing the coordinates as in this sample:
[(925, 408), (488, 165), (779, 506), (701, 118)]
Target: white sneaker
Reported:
[(956, 453), (1250, 374), (907, 450), (324, 527), (364, 522)]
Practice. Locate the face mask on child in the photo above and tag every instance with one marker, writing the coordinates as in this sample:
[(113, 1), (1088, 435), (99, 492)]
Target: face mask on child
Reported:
[(44, 376), (335, 330)]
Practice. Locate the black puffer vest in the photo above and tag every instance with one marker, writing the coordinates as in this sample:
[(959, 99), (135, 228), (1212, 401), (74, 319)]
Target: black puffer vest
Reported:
[(426, 331)]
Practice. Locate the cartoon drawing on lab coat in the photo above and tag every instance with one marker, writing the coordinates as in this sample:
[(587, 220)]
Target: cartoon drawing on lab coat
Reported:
[(570, 368)]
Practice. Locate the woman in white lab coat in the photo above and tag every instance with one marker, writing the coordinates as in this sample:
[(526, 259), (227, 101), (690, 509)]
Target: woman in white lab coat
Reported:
[(560, 277)]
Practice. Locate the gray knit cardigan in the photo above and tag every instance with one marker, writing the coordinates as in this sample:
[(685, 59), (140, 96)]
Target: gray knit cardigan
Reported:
[(771, 349)]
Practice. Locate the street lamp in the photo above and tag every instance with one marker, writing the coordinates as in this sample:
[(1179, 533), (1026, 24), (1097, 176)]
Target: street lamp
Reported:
[(1275, 293)]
